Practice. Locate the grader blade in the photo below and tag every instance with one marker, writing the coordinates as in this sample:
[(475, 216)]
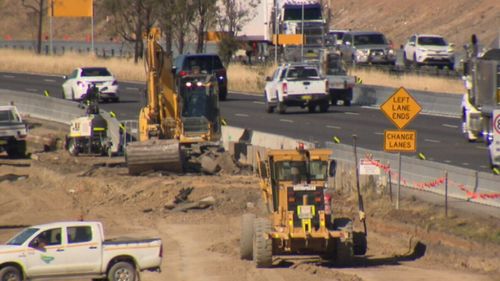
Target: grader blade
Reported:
[(154, 155)]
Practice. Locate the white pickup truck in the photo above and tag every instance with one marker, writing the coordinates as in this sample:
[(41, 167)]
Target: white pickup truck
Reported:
[(13, 132), (76, 249), (296, 85)]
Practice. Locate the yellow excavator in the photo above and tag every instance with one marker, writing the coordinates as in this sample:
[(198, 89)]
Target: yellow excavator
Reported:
[(179, 117)]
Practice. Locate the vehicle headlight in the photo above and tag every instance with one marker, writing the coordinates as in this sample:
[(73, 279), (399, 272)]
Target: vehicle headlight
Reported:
[(390, 52)]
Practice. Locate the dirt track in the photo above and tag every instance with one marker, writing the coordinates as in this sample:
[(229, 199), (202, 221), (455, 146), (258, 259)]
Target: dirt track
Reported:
[(203, 244)]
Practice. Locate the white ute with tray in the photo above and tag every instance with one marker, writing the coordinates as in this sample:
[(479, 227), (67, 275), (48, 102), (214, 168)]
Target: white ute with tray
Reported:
[(71, 249)]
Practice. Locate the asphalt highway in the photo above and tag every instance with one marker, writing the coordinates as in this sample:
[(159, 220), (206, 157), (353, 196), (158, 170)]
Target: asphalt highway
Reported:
[(439, 138)]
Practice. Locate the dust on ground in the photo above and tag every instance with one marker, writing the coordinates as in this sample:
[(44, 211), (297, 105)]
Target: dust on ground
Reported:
[(203, 244)]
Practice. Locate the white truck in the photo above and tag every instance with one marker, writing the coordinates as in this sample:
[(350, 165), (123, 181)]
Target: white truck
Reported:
[(13, 132), (296, 85), (70, 249)]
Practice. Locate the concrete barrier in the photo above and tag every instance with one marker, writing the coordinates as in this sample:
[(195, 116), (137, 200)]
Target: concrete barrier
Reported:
[(431, 102)]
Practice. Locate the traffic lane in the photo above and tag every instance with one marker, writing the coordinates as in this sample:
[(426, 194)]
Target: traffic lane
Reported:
[(437, 137)]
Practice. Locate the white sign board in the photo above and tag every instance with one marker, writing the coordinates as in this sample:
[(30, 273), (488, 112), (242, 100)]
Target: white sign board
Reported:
[(367, 167), (495, 145)]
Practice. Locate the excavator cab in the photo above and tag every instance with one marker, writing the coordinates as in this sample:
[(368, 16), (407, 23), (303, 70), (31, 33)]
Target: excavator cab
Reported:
[(199, 103)]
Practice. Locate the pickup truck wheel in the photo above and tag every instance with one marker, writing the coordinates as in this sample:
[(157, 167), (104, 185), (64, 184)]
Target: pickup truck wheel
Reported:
[(122, 271), (323, 107), (17, 149), (334, 102), (347, 103), (10, 273), (281, 107), (269, 107)]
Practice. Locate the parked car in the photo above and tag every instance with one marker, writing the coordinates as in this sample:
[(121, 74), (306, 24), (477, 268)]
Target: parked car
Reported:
[(78, 82), (296, 85), (76, 249), (427, 49), (367, 47), (205, 64)]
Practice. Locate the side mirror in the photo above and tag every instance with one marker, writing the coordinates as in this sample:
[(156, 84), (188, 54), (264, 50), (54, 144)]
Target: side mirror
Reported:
[(333, 168), (268, 79)]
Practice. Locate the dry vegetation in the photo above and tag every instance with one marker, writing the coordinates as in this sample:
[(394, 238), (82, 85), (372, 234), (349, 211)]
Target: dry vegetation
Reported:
[(241, 78)]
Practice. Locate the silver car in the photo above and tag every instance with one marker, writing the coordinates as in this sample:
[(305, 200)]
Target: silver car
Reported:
[(366, 47)]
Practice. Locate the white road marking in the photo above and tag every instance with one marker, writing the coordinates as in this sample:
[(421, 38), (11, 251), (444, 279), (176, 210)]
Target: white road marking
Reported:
[(9, 76), (447, 161), (484, 167), (379, 133), (31, 90), (333, 127), (482, 147), (241, 115), (286, 120), (259, 102), (450, 126), (351, 113), (431, 140), (465, 164), (49, 80), (132, 88)]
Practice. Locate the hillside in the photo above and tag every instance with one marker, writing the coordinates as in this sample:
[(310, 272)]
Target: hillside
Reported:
[(455, 19)]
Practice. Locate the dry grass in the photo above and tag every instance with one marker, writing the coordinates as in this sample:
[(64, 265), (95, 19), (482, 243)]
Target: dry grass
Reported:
[(242, 78), (410, 81), (28, 62)]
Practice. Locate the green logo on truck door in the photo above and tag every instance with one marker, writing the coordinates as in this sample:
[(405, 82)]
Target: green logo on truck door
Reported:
[(46, 259)]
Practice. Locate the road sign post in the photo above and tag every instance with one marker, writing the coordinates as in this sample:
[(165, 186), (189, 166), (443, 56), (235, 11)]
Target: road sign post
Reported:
[(401, 108)]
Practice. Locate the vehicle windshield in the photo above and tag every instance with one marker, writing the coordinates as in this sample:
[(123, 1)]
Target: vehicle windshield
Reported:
[(432, 41), (302, 72), (21, 237), (95, 72), (311, 12), (205, 64), (195, 102), (370, 39), (8, 116), (317, 170)]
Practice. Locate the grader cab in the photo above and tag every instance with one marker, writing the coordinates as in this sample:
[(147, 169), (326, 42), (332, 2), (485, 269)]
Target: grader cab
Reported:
[(299, 218)]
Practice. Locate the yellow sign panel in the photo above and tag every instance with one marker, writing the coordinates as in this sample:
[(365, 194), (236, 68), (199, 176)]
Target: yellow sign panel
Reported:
[(288, 39), (400, 141), (72, 8), (401, 108)]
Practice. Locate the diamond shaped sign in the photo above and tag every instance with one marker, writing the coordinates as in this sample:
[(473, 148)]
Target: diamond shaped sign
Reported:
[(401, 108)]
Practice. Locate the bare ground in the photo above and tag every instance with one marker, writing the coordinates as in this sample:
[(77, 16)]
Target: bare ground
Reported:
[(203, 244)]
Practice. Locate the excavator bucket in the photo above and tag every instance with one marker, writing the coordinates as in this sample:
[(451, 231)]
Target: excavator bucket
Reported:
[(154, 155)]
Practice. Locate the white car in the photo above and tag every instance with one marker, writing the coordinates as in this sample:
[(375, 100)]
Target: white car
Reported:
[(78, 82), (427, 49)]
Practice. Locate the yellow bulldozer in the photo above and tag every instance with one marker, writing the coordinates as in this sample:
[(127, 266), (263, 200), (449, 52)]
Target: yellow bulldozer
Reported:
[(298, 206), (181, 116)]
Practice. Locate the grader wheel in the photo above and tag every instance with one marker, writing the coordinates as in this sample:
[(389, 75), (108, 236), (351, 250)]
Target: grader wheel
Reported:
[(246, 238), (344, 248), (262, 244)]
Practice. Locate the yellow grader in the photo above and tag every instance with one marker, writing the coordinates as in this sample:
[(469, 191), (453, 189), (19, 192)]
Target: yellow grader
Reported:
[(299, 218)]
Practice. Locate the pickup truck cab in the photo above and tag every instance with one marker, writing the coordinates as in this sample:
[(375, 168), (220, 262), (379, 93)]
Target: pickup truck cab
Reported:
[(296, 85), (76, 249), (13, 132)]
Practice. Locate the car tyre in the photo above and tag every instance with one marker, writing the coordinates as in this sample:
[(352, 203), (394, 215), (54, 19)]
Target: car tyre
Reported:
[(122, 271), (10, 273), (269, 107)]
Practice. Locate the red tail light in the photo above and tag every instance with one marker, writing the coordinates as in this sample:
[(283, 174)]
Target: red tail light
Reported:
[(183, 73), (285, 88), (328, 200)]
